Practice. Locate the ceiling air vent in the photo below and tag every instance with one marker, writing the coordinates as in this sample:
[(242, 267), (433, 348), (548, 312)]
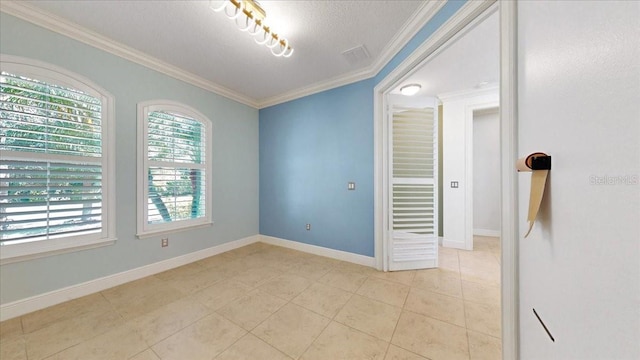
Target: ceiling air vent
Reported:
[(356, 55)]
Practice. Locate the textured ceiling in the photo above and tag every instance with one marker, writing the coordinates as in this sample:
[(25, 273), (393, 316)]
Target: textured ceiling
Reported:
[(464, 63), (190, 36)]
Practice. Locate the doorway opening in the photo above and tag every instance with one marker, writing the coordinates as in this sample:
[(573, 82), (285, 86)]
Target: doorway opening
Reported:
[(486, 173), (455, 185), (459, 90)]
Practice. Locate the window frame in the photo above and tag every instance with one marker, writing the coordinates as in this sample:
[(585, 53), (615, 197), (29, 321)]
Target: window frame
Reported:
[(144, 229), (55, 75)]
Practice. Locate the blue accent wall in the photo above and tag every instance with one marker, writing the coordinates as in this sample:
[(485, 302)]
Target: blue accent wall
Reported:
[(311, 147)]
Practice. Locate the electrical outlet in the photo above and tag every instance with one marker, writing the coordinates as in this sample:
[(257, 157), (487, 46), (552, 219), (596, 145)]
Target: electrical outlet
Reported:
[(454, 184), (165, 242), (308, 226), (351, 185)]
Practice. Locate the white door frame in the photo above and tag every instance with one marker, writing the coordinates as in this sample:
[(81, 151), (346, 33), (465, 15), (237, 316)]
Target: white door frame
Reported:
[(508, 153)]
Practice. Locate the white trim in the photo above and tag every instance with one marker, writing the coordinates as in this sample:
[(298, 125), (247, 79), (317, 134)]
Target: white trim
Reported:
[(74, 31), (144, 229), (509, 184), (167, 231), (320, 251), (486, 232), (508, 154), (109, 177), (426, 11), (35, 250), (423, 14), (56, 75), (454, 244), (37, 302), (469, 13), (325, 85)]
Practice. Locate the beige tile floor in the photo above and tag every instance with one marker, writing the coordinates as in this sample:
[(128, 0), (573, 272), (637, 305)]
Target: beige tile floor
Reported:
[(267, 302)]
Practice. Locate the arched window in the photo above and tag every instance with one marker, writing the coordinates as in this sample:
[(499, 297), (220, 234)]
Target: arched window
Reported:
[(174, 168), (56, 161)]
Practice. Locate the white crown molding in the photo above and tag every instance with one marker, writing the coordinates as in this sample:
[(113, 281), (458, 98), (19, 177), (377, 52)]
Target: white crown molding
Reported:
[(332, 83), (470, 10), (424, 13), (67, 28), (72, 30), (427, 11)]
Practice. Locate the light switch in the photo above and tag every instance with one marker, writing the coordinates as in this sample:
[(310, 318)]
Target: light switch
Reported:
[(351, 185), (454, 184)]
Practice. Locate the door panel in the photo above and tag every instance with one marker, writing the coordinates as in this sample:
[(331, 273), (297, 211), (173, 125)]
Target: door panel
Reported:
[(579, 101), (413, 237)]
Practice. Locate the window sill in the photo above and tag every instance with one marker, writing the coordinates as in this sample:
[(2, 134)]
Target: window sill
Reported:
[(152, 233), (24, 252)]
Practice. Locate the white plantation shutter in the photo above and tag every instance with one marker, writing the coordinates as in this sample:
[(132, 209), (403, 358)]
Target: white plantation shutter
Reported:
[(413, 168), (43, 200), (176, 158), (413, 208), (175, 138), (413, 198), (53, 160), (51, 165), (175, 150)]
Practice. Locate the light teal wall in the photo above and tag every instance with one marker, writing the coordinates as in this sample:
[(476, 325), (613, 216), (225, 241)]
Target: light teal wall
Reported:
[(235, 164)]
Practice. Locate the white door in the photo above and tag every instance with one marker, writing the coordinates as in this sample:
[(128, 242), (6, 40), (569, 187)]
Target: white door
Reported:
[(579, 101), (413, 199)]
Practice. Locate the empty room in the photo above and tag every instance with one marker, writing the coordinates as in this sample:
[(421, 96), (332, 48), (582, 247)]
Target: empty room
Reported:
[(241, 179)]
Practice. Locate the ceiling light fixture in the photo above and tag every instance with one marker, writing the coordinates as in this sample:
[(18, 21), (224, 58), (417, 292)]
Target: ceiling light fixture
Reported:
[(410, 89), (250, 18)]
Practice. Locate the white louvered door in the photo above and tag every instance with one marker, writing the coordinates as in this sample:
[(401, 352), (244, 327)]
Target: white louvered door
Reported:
[(413, 213)]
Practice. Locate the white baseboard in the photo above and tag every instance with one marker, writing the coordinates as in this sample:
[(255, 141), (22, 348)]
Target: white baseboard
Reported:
[(486, 232), (41, 301), (456, 244), (321, 251), (37, 302)]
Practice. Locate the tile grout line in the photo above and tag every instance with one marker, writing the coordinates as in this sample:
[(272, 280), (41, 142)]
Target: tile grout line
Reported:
[(84, 340), (251, 289), (330, 319), (209, 311), (464, 307), (290, 301)]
